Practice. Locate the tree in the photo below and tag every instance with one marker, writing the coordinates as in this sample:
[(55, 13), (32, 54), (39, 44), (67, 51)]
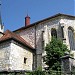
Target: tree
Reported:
[(54, 50)]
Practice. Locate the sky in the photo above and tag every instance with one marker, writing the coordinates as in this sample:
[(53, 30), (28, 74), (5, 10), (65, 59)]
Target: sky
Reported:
[(13, 12)]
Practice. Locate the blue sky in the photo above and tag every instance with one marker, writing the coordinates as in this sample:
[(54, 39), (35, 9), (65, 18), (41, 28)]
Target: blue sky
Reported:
[(14, 11)]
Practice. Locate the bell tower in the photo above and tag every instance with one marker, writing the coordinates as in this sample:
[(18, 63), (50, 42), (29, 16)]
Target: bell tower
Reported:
[(1, 25)]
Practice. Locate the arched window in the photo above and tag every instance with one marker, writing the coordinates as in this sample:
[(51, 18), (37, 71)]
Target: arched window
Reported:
[(53, 32), (71, 38)]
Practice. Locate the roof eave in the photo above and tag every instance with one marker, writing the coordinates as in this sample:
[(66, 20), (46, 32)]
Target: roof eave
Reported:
[(31, 48)]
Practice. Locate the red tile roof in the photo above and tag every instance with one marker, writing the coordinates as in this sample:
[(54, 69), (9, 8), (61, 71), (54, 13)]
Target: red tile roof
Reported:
[(57, 15), (10, 35)]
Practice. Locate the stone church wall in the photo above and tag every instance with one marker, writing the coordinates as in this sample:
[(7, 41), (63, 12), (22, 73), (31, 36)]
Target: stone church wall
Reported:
[(40, 34), (29, 35), (17, 55), (4, 55), (43, 35), (67, 22), (12, 56)]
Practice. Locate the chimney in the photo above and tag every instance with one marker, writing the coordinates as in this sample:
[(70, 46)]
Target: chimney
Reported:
[(27, 20)]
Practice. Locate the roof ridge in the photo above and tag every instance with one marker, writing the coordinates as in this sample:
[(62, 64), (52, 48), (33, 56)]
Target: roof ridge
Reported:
[(50, 17)]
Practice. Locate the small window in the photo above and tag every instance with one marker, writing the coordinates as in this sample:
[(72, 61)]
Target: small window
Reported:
[(25, 60)]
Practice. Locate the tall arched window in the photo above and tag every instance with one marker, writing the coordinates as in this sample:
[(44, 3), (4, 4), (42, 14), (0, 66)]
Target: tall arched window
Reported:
[(53, 32), (71, 38)]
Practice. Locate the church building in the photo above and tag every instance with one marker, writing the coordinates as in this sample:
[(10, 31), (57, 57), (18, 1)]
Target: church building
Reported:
[(23, 49)]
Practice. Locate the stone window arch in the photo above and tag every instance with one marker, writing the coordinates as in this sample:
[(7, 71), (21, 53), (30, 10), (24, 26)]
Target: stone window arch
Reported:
[(70, 28), (53, 32), (71, 38)]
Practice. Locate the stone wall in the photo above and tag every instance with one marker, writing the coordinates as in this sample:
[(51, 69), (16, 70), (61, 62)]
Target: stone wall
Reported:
[(17, 55), (41, 33), (46, 27), (4, 55), (28, 34), (67, 22), (12, 56)]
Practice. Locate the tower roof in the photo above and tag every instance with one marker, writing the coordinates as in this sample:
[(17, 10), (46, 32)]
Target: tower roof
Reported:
[(0, 14), (0, 19)]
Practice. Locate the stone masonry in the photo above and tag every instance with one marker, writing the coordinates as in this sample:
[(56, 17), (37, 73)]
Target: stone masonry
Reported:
[(34, 35), (12, 56), (17, 47)]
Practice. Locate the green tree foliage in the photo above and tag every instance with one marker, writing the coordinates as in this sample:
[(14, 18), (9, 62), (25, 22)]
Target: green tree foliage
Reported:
[(54, 50)]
